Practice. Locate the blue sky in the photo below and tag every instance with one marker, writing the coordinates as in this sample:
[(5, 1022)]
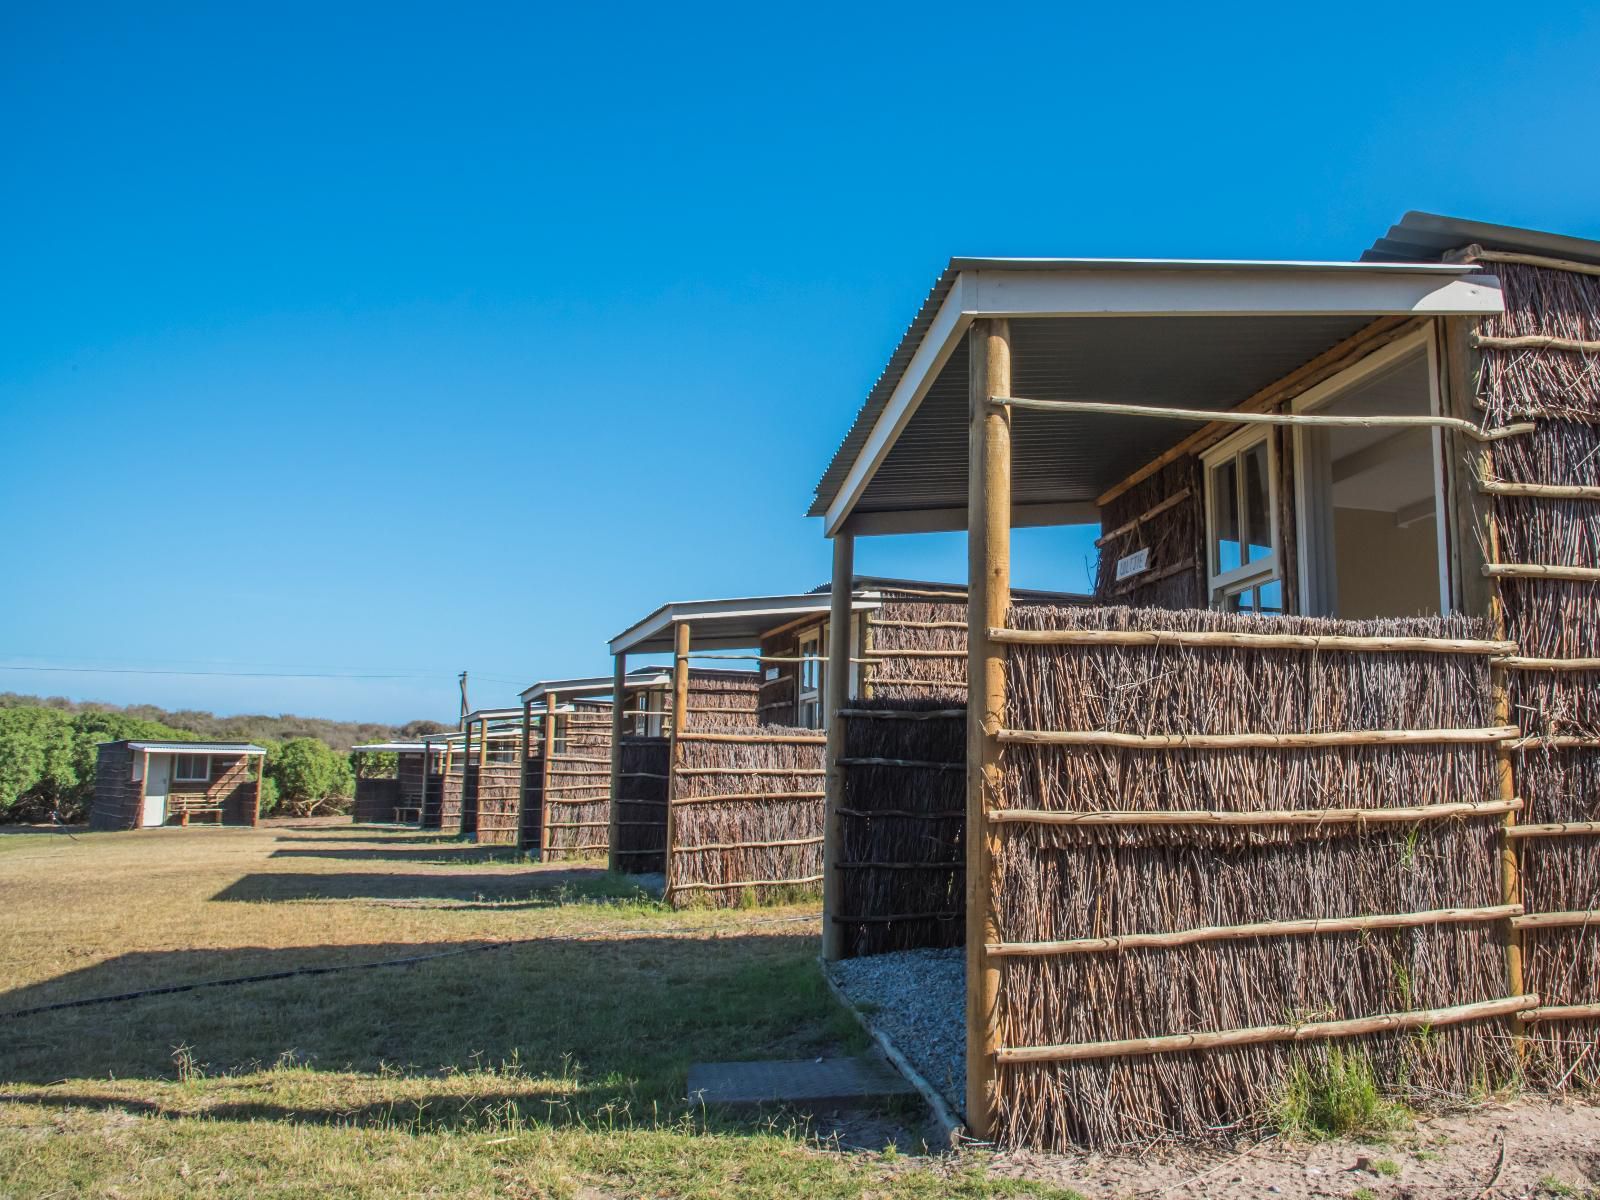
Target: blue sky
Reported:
[(328, 328)]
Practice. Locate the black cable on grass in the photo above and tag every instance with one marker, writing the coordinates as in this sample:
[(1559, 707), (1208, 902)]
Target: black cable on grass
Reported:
[(307, 972)]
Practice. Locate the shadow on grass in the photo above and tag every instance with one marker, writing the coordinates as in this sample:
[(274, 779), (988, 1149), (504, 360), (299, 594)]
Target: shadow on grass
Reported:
[(443, 852), (594, 1027), (537, 889), (356, 834)]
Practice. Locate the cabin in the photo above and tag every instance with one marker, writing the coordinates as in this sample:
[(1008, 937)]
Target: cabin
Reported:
[(139, 785), (482, 777), (390, 781), (1318, 767), (735, 796)]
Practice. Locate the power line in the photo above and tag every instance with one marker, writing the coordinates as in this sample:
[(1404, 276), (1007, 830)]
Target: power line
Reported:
[(234, 674)]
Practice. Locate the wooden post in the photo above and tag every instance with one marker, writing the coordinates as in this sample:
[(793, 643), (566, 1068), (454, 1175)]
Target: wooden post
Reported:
[(680, 718), (444, 782), (144, 783), (422, 797), (619, 679), (549, 732), (988, 602), (1510, 873), (261, 772), (836, 693), (522, 768)]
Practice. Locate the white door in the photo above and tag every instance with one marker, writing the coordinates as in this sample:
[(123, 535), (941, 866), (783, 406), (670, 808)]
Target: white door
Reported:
[(155, 790)]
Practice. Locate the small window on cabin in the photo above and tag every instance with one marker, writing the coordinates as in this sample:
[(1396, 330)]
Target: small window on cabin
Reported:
[(808, 705), (1242, 525), (191, 768)]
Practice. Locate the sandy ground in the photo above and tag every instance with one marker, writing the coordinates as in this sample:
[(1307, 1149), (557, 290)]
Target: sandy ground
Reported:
[(1523, 1149)]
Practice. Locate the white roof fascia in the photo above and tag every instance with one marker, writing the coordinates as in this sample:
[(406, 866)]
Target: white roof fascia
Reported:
[(1156, 288), (696, 611)]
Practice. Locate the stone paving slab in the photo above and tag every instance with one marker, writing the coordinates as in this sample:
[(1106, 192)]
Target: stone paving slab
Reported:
[(842, 1081)]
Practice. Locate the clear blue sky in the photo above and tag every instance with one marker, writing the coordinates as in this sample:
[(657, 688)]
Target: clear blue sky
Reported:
[(327, 328)]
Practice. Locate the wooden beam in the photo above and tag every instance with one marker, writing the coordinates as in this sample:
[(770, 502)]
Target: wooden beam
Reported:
[(988, 605), (1330, 362), (836, 692), (1192, 639), (619, 681), (548, 731), (261, 773)]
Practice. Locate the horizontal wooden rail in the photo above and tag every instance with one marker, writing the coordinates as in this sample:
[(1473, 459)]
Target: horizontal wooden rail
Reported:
[(576, 800), (806, 841), (877, 624), (1545, 491), (751, 771), (1555, 829), (1540, 571), (1521, 663), (783, 739), (638, 800), (1310, 1031), (1563, 1012), (1479, 254), (642, 775), (916, 764), (678, 800), (1247, 741), (1248, 641), (719, 887), (1535, 341), (1281, 816), (578, 758), (1557, 920), (1203, 416), (1536, 741), (1255, 929), (576, 824), (900, 714)]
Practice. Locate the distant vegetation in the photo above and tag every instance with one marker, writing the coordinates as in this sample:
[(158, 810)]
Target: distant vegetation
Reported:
[(47, 752)]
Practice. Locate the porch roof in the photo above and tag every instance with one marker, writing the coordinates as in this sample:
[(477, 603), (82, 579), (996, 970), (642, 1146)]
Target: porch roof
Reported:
[(592, 686), (1181, 333), (197, 747), (732, 624)]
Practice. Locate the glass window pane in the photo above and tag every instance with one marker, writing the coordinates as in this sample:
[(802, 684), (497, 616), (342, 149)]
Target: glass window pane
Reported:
[(1225, 515), (1241, 602), (1269, 597), (1258, 522)]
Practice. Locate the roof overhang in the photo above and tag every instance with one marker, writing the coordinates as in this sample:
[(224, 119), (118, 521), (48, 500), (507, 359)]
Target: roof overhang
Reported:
[(733, 624), (196, 747), (388, 748), (1061, 289), (597, 686)]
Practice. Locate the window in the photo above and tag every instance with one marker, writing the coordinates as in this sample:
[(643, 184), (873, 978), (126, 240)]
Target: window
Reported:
[(1242, 525), (808, 706), (191, 768)]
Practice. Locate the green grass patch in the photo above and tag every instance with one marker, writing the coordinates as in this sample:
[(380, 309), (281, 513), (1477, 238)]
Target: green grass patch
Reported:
[(1335, 1095)]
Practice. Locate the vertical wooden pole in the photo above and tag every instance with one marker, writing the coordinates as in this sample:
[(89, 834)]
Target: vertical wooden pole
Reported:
[(261, 771), (988, 602), (619, 679), (1510, 873), (422, 798), (836, 695), (444, 782), (680, 720), (549, 732), (525, 745), (138, 801)]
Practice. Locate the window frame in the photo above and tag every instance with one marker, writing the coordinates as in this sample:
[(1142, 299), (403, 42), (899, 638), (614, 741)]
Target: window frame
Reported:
[(809, 698), (1222, 584), (177, 769)]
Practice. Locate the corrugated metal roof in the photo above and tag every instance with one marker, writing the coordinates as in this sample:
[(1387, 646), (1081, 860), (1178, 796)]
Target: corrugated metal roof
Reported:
[(1428, 237), (195, 747)]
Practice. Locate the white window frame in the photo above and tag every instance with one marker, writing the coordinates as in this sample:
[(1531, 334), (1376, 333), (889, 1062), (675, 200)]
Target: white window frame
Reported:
[(1312, 519), (804, 696), (177, 769), (1222, 584)]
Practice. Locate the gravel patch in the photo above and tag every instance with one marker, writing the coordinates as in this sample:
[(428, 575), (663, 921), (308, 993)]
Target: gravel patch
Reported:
[(918, 1000)]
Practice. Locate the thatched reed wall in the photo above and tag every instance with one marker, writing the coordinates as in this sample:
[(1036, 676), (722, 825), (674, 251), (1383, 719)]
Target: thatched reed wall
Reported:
[(729, 699), (469, 794), (764, 842), (375, 800), (918, 648), (1553, 619), (450, 789), (641, 827), (577, 797), (1054, 881), (499, 802), (1165, 515), (409, 771), (902, 821)]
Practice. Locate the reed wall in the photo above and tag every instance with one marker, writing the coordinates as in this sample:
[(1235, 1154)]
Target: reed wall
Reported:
[(577, 792)]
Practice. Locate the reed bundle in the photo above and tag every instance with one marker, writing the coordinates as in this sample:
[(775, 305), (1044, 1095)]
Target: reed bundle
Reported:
[(1552, 619), (1064, 882), (902, 829), (767, 844), (577, 792), (641, 800)]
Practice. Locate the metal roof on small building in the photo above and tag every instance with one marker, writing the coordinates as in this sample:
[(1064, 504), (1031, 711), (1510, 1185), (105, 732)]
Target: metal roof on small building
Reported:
[(1430, 237), (194, 747)]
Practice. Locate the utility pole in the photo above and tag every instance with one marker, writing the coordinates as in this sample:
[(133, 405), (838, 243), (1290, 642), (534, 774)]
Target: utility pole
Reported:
[(465, 707)]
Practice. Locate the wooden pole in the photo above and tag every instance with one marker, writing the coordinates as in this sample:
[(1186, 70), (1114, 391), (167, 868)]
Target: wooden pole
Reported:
[(444, 782), (619, 679), (836, 691), (422, 798), (988, 603), (680, 717), (549, 732), (522, 769), (261, 771), (144, 784)]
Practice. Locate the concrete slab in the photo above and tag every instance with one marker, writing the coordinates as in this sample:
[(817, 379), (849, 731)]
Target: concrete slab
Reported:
[(836, 1081)]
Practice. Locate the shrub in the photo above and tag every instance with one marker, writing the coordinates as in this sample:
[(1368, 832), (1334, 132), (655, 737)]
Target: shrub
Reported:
[(1335, 1096)]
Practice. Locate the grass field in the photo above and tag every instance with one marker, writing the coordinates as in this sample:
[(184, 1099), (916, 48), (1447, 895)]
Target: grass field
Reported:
[(553, 1067)]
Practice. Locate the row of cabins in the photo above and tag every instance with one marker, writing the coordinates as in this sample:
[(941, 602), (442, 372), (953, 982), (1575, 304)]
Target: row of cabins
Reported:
[(1316, 766)]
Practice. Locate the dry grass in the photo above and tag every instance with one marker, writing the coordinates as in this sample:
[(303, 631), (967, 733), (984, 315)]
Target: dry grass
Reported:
[(555, 1067)]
